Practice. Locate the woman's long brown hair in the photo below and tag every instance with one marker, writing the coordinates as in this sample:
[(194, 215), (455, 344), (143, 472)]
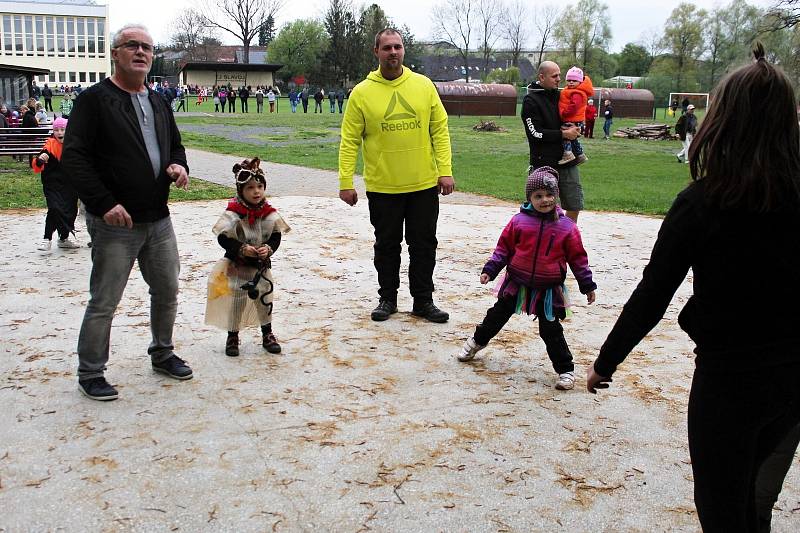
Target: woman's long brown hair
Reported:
[(747, 151)]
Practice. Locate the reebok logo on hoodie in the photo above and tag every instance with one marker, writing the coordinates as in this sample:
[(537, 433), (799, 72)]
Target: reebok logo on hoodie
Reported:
[(405, 112)]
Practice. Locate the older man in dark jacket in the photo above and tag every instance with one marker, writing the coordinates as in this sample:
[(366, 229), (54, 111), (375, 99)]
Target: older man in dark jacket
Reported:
[(545, 136), (122, 152)]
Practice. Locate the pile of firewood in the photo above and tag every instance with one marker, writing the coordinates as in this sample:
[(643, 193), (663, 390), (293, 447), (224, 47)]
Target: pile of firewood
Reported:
[(650, 132), (488, 125)]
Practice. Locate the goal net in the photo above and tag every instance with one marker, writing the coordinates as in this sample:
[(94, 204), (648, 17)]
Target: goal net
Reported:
[(676, 102)]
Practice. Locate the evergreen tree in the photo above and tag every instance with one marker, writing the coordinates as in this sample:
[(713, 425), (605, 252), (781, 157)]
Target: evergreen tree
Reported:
[(267, 32)]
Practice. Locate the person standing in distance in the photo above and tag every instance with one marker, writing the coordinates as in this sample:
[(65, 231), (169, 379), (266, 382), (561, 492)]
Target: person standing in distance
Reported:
[(122, 153), (399, 119), (546, 138)]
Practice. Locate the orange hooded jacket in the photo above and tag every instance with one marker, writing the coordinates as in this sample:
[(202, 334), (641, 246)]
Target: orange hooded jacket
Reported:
[(572, 102)]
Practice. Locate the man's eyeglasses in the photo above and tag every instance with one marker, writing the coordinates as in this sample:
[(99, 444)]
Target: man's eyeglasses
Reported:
[(133, 46)]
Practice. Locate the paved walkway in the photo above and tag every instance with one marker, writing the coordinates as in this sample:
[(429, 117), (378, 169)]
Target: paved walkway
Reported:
[(292, 180)]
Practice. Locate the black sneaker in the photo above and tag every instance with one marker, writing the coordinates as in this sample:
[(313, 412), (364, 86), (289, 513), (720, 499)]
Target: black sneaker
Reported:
[(384, 310), (270, 343), (430, 312), (174, 367), (97, 389)]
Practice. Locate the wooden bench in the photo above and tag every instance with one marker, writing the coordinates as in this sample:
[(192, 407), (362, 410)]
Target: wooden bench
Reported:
[(23, 141)]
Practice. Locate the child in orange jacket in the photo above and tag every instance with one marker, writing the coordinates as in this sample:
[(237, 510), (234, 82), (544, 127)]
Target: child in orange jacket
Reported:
[(61, 197), (572, 108)]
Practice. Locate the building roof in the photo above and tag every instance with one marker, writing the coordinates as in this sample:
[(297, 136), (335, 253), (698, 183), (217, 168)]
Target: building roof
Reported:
[(246, 67), (256, 56), (27, 70)]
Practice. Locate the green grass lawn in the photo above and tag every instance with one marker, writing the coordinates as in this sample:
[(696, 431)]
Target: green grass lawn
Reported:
[(621, 175), (20, 188)]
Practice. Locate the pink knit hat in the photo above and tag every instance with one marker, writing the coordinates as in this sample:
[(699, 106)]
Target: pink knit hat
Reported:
[(542, 178), (574, 74), (60, 122)]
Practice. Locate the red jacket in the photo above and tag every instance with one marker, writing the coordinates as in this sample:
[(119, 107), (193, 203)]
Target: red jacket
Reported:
[(572, 102), (591, 113)]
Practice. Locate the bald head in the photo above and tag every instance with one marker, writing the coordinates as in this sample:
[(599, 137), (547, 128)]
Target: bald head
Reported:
[(549, 75)]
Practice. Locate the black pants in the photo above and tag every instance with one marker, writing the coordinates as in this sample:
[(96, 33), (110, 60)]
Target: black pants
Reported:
[(738, 421), (317, 105), (419, 211), (232, 105), (62, 208), (244, 105), (48, 104), (551, 332)]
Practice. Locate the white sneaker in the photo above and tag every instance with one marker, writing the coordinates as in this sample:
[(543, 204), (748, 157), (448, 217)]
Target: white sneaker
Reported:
[(469, 350), (44, 246), (566, 381), (67, 244)]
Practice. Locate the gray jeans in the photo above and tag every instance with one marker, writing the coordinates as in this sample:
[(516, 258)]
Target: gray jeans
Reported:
[(114, 250)]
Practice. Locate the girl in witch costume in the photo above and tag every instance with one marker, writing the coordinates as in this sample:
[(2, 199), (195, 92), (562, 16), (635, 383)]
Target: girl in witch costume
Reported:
[(240, 287)]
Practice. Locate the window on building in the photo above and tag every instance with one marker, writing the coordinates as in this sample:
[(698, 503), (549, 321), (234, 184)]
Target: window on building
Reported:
[(102, 76), (82, 37), (61, 38), (51, 42), (101, 38), (90, 33), (72, 77), (39, 36), (71, 36), (62, 77), (29, 48), (92, 77), (18, 35), (82, 77), (7, 35)]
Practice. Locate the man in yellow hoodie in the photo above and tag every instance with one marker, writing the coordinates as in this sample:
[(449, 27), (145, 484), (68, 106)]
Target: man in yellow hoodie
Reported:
[(398, 117)]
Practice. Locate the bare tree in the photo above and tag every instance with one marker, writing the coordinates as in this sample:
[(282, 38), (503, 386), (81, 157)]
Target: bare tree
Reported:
[(490, 16), (544, 19), (454, 23), (241, 18), (190, 32), (782, 14), (514, 28)]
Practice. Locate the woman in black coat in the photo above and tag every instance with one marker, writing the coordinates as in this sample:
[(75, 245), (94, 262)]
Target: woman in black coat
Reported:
[(736, 226)]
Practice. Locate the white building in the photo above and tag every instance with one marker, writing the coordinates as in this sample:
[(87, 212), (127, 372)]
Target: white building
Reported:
[(70, 38)]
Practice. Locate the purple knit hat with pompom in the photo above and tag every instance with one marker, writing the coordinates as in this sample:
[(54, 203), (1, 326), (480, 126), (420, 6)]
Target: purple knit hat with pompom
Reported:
[(544, 178)]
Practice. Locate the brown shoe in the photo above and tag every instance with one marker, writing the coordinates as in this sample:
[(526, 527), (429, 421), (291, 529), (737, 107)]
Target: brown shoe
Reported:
[(270, 343), (232, 344)]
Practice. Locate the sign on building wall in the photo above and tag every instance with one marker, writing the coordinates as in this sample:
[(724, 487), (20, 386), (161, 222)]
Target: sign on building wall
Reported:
[(223, 78)]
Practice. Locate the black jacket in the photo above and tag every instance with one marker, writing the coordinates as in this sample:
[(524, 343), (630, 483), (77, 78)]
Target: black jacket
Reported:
[(29, 120), (743, 312), (47, 92), (106, 158), (542, 126)]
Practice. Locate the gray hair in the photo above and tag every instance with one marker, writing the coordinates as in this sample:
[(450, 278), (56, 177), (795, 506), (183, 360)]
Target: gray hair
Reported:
[(115, 39)]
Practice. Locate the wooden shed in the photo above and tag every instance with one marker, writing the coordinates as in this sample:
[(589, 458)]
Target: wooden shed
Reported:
[(480, 99), (627, 103)]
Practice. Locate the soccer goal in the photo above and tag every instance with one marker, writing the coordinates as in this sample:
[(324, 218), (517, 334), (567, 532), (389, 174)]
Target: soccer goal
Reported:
[(699, 100)]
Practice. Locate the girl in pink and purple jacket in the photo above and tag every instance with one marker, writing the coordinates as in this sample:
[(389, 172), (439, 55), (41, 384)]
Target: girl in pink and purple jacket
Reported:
[(535, 248)]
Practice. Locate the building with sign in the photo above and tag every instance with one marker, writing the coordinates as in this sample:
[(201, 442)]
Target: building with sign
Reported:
[(235, 74), (69, 38)]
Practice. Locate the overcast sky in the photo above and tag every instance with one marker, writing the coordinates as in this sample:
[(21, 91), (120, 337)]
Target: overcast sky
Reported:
[(630, 19)]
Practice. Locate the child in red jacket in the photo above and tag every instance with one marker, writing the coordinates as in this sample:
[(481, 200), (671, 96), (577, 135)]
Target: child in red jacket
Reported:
[(572, 107), (535, 248)]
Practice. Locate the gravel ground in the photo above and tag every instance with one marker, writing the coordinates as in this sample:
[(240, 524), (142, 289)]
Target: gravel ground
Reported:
[(357, 425)]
